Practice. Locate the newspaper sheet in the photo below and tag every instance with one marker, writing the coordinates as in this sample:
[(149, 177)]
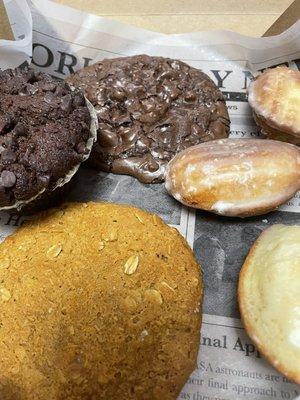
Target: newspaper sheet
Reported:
[(64, 40)]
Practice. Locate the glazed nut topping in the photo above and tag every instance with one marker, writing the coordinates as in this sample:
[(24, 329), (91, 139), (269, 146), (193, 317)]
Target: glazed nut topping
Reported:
[(5, 294), (131, 264), (54, 251), (4, 263)]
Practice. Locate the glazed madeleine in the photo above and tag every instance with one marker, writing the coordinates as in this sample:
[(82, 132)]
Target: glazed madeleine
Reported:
[(269, 297), (235, 177), (275, 99)]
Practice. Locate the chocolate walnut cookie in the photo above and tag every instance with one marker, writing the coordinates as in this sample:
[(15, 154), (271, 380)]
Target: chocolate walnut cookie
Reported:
[(149, 109), (44, 135)]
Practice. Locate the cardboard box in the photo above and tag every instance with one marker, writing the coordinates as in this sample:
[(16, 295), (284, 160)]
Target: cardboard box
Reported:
[(252, 17), (5, 30), (288, 18)]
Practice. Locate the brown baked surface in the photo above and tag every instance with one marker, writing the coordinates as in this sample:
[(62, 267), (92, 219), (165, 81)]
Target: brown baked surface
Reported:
[(149, 109), (80, 322), (274, 97), (44, 133), (235, 177), (272, 133)]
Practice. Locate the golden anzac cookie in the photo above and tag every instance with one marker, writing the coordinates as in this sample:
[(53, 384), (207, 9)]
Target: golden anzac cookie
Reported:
[(97, 301)]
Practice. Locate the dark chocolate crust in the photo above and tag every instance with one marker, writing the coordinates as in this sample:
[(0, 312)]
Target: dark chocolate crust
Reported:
[(44, 128), (149, 109)]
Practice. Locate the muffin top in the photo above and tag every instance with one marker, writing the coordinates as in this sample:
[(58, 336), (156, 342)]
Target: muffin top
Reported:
[(44, 130)]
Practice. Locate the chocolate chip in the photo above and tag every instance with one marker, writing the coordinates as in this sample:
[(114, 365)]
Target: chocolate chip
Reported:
[(49, 97), (38, 140), (4, 197), (8, 140), (5, 123), (79, 100), (107, 138), (190, 96), (20, 130), (174, 93), (149, 104), (143, 144), (31, 89), (176, 65), (159, 99), (117, 95), (136, 114), (30, 76), (8, 179), (196, 130), (49, 87), (167, 74), (82, 149), (123, 120), (43, 178), (8, 157), (6, 74), (152, 165), (59, 91), (66, 103)]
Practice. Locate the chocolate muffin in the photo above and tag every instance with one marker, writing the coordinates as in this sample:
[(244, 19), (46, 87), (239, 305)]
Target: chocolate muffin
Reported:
[(149, 109), (46, 131)]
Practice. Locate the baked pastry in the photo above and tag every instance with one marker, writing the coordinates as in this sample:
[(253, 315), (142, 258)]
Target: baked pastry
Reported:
[(269, 297), (149, 109), (275, 99), (97, 301), (235, 177), (46, 131)]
